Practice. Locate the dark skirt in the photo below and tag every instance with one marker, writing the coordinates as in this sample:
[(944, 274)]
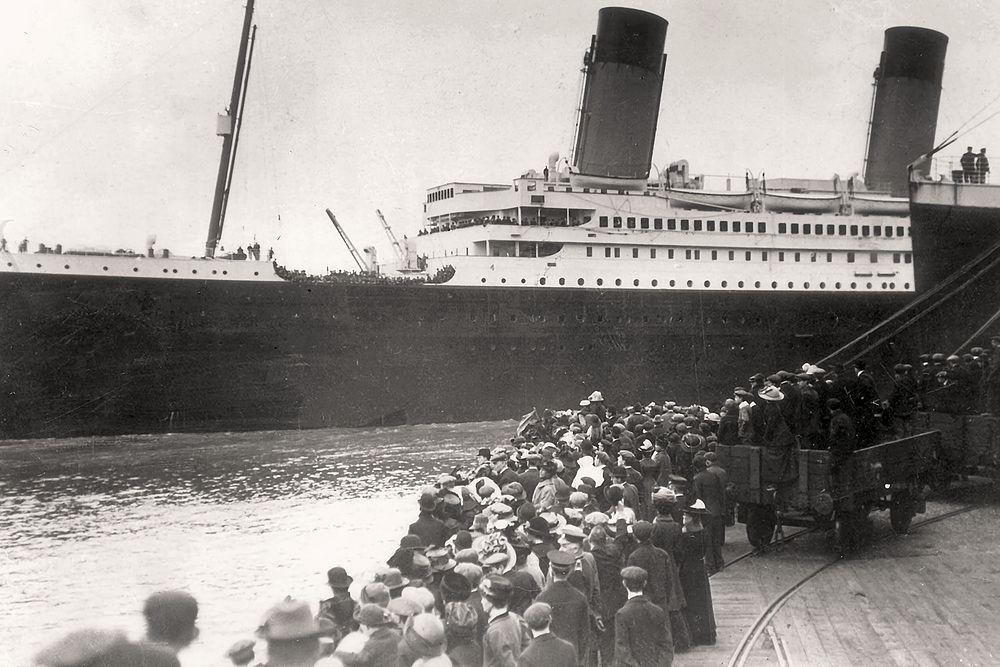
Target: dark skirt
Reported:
[(697, 592)]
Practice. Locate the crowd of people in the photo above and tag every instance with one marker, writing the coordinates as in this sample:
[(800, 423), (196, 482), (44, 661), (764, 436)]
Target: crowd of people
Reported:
[(530, 220)]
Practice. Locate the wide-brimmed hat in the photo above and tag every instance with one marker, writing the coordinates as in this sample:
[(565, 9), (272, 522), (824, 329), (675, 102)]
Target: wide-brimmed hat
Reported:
[(441, 560), (538, 527), (771, 394), (374, 616), (392, 578), (664, 495), (596, 396), (698, 507), (337, 577), (424, 636), (375, 593), (572, 533), (404, 607), (292, 619), (514, 489)]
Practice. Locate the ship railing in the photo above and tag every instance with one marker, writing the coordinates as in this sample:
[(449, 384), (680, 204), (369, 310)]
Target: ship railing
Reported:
[(948, 169)]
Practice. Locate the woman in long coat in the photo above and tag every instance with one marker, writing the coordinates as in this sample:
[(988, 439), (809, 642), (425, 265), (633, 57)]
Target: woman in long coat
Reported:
[(777, 458), (699, 613)]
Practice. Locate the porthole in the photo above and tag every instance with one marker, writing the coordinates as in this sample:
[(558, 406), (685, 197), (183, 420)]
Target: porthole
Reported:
[(618, 282), (165, 271), (523, 281), (673, 283), (541, 281), (655, 282), (256, 273), (65, 266), (837, 285), (225, 273), (868, 285), (854, 286), (600, 281), (195, 272), (635, 282), (740, 284), (175, 270), (892, 285), (482, 280), (503, 281), (38, 266), (774, 284), (885, 285), (822, 285), (690, 283), (214, 272), (756, 284), (135, 269), (10, 263), (906, 285), (580, 282), (791, 285), (708, 283), (105, 268), (724, 284), (562, 281)]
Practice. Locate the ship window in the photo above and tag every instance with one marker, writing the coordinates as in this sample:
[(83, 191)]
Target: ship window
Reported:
[(739, 284), (657, 223), (604, 221), (829, 257), (644, 223), (748, 256), (671, 224), (798, 257), (899, 231), (541, 281), (562, 281), (670, 253), (503, 280), (652, 253), (812, 257), (617, 222), (795, 228), (523, 281), (697, 254), (873, 257), (732, 255), (655, 282), (708, 283), (854, 230), (710, 225), (723, 225), (791, 285), (724, 284), (842, 230), (635, 282), (888, 232), (607, 252), (618, 252), (635, 253), (761, 227), (896, 258), (580, 282), (878, 230), (687, 254), (830, 230), (756, 283), (672, 283), (774, 284), (630, 223), (484, 280), (697, 225), (782, 228), (763, 256), (600, 281), (749, 227), (715, 255), (850, 258), (690, 283), (781, 257), (837, 285), (907, 258), (685, 225), (866, 230), (618, 282), (822, 285), (590, 251), (807, 228), (819, 230)]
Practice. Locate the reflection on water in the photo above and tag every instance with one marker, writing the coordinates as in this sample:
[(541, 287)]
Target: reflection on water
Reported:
[(89, 527)]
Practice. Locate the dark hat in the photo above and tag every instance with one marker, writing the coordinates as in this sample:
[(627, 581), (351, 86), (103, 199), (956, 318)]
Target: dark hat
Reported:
[(171, 609), (420, 568), (619, 471), (428, 501), (337, 577), (441, 560), (484, 452), (560, 560), (538, 527), (373, 616), (496, 589), (636, 577), (513, 489), (757, 377), (538, 615), (454, 587), (411, 541), (642, 530)]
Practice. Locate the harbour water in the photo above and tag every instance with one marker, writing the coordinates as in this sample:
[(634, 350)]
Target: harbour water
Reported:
[(90, 527)]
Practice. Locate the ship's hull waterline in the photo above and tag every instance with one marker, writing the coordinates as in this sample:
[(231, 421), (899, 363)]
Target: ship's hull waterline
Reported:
[(89, 355)]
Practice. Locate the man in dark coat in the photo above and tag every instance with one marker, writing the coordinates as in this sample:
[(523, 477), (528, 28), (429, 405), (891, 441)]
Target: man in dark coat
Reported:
[(654, 561), (570, 609), (642, 630), (530, 476), (431, 530), (502, 473), (545, 649), (710, 489)]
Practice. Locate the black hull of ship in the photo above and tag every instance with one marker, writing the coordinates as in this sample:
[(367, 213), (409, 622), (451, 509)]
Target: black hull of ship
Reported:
[(106, 355)]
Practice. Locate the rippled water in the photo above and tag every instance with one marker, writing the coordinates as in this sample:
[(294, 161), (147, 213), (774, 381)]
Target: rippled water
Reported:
[(90, 527)]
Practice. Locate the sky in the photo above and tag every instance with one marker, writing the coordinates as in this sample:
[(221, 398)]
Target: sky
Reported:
[(110, 108)]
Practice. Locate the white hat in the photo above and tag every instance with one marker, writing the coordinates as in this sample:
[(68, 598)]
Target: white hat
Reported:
[(596, 396), (771, 393), (584, 403)]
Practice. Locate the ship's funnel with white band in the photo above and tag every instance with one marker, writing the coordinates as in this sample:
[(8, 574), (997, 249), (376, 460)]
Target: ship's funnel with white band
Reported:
[(907, 95), (621, 100)]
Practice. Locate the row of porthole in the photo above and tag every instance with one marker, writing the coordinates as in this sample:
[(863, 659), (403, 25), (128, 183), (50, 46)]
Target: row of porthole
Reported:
[(708, 283), (135, 269)]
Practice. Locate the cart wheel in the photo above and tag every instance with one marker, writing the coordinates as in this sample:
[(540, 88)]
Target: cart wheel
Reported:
[(901, 512), (760, 525)]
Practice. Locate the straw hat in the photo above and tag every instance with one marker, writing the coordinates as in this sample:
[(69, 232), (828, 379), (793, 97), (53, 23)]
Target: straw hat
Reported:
[(292, 619)]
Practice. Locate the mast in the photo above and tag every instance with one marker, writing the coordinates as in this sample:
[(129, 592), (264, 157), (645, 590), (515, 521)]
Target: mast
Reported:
[(225, 162)]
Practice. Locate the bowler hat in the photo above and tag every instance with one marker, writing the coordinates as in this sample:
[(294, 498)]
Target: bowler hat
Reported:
[(337, 577), (428, 501)]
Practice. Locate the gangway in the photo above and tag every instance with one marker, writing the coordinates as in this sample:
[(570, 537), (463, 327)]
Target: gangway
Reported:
[(347, 241)]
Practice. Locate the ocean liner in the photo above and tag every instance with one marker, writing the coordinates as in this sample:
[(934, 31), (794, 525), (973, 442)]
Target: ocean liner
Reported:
[(590, 273)]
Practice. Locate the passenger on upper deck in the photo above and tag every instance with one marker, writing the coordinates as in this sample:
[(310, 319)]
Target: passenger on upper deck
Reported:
[(982, 166), (968, 163)]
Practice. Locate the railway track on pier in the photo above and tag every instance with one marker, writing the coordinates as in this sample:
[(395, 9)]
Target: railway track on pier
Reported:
[(763, 622)]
